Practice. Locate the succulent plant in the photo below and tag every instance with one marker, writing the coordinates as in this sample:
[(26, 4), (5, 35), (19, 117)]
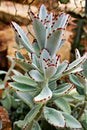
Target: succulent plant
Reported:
[(37, 87)]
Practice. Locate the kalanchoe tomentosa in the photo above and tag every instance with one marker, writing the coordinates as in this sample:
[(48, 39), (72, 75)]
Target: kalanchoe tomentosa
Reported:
[(44, 67)]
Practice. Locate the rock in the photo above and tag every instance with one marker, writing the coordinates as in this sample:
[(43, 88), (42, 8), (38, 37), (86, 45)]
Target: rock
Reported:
[(4, 117), (10, 11)]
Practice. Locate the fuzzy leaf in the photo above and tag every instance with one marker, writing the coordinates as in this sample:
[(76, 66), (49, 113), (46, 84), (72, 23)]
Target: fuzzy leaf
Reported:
[(49, 24), (61, 68), (61, 21), (23, 38), (52, 85), (40, 32), (44, 55), (36, 75), (75, 65), (16, 72), (42, 13), (83, 81), (26, 97), (61, 89), (77, 54), (63, 104), (54, 117), (1, 84), (36, 47), (35, 60), (26, 66), (44, 95), (79, 86), (71, 122), (24, 80), (19, 55), (36, 126), (2, 72), (19, 123), (50, 71), (31, 115), (22, 87), (85, 69), (53, 41), (68, 98)]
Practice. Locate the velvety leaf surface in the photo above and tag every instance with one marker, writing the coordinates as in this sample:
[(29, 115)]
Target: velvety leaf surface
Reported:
[(22, 87), (25, 80), (54, 117), (36, 126), (26, 97), (71, 122), (23, 38), (63, 104), (61, 89), (44, 95)]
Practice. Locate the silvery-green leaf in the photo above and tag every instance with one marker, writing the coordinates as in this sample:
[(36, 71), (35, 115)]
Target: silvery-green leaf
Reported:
[(75, 80), (42, 13), (19, 55), (23, 38), (26, 97), (79, 69), (49, 24), (53, 41), (44, 54), (79, 97), (24, 80), (54, 117), (71, 122), (68, 98), (44, 57), (50, 71), (16, 72), (22, 87), (44, 95), (79, 86), (36, 47), (52, 85), (63, 104), (19, 123), (77, 54), (61, 89), (83, 81), (35, 60), (60, 44), (40, 32), (1, 84), (31, 115), (61, 21), (61, 68), (2, 72), (74, 65), (85, 68), (26, 66), (36, 75), (36, 126)]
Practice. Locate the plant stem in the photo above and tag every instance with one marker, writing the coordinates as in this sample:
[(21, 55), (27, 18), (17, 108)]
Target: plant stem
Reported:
[(30, 125), (9, 71), (82, 109)]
